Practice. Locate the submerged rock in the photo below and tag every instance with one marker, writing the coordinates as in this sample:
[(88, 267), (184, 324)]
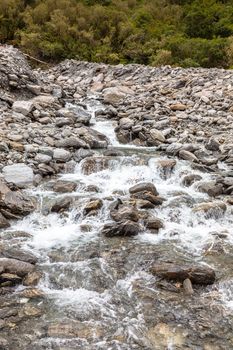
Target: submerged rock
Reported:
[(197, 274)]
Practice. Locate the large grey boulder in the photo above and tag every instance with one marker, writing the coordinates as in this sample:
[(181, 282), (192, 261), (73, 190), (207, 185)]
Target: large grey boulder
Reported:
[(61, 155), (19, 174)]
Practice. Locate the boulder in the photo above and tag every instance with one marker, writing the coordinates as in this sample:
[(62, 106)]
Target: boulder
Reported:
[(19, 254), (60, 204), (15, 266), (178, 107), (125, 228), (166, 167), (62, 186), (94, 164), (188, 180), (186, 155), (16, 203), (148, 196), (125, 213), (19, 174), (154, 224), (203, 275), (155, 136), (32, 278), (211, 188), (144, 186), (113, 95), (211, 209), (93, 205)]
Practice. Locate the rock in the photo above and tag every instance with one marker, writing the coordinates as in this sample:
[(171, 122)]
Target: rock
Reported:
[(43, 158), (188, 180), (94, 164), (188, 288), (17, 203), (212, 145), (203, 275), (4, 223), (186, 155), (60, 204), (178, 107), (125, 228), (93, 205), (211, 209), (61, 155), (166, 167), (63, 186), (211, 188), (24, 107), (126, 123), (125, 213), (14, 266), (113, 95), (32, 278), (3, 188), (155, 137), (154, 224), (10, 277), (32, 293), (72, 142), (148, 196), (144, 186), (19, 174), (19, 254)]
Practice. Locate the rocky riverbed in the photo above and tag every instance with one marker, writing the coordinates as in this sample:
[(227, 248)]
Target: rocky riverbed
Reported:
[(116, 210)]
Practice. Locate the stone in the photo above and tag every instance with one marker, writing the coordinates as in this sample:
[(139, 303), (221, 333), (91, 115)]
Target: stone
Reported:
[(32, 278), (212, 145), (61, 155), (154, 224), (17, 203), (4, 223), (60, 204), (14, 266), (113, 95), (166, 166), (211, 188), (32, 293), (43, 158), (148, 196), (155, 136), (188, 180), (24, 107), (93, 205), (186, 155), (62, 186), (125, 228), (178, 107), (198, 274), (144, 186), (19, 254), (94, 164), (125, 213), (19, 174), (211, 209), (10, 277)]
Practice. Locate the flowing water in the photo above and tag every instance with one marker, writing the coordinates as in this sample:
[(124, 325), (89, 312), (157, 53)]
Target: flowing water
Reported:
[(99, 293)]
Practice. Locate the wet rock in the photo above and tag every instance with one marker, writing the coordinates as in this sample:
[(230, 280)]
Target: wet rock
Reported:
[(62, 186), (4, 223), (203, 275), (125, 228), (211, 188), (32, 293), (154, 224), (155, 137), (32, 278), (94, 164), (144, 186), (188, 180), (93, 205), (211, 209), (10, 277), (16, 203), (19, 174), (60, 204), (148, 196), (125, 213), (18, 254), (188, 288), (72, 330), (14, 266), (24, 107), (166, 167)]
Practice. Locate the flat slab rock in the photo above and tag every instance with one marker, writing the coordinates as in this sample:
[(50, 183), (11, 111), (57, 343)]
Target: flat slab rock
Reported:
[(19, 174), (197, 274)]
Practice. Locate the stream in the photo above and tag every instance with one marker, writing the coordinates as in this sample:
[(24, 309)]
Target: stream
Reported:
[(98, 291)]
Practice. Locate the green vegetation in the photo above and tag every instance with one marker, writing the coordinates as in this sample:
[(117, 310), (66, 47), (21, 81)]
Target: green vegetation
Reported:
[(177, 32)]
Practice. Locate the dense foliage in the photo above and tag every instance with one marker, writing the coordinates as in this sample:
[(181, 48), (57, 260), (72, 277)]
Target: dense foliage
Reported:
[(176, 32)]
